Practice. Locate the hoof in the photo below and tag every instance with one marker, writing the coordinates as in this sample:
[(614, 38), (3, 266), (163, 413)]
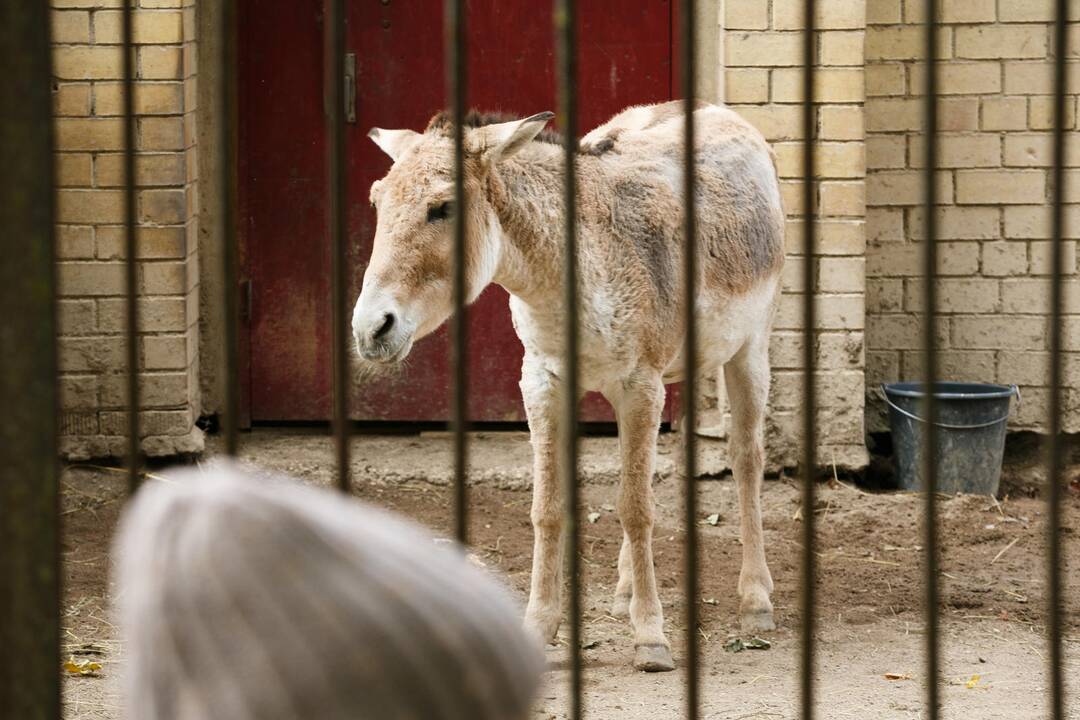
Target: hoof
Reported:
[(620, 607), (757, 622), (653, 658), (543, 632)]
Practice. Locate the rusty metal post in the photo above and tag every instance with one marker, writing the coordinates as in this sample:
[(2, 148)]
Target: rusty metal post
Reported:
[(929, 435), (131, 264), (1054, 460), (808, 596), (456, 85), (566, 39), (226, 127), (29, 473), (690, 356), (334, 93)]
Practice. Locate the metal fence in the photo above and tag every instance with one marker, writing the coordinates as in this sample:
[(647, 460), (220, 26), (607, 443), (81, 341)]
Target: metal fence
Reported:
[(29, 545)]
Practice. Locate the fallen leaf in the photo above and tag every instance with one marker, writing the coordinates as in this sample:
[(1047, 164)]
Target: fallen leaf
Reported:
[(593, 517), (970, 684), (897, 676), (713, 519), (710, 601), (590, 645), (81, 667), (738, 644)]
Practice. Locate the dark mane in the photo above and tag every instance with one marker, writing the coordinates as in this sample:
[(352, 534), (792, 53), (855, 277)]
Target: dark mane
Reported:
[(443, 123)]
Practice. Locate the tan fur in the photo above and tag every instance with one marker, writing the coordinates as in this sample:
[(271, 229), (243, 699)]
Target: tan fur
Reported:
[(637, 117), (630, 227)]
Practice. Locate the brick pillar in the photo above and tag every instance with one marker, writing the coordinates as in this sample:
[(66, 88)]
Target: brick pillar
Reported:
[(87, 104), (763, 54)]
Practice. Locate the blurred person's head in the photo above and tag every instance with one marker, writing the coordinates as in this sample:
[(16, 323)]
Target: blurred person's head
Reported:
[(244, 597)]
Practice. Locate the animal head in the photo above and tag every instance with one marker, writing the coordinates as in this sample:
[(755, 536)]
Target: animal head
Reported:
[(408, 286)]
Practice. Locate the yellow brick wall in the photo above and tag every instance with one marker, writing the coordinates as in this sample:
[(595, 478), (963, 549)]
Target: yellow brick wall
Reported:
[(762, 44), (88, 103), (995, 115)]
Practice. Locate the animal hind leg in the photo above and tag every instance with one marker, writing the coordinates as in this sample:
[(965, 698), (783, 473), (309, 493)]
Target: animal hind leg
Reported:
[(747, 380), (624, 588)]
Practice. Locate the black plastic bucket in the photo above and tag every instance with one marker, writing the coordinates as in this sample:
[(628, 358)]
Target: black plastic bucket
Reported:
[(971, 425)]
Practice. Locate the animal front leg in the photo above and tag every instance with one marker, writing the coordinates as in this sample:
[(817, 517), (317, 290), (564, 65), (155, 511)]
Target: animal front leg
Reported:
[(638, 410), (624, 590), (540, 391), (747, 376)]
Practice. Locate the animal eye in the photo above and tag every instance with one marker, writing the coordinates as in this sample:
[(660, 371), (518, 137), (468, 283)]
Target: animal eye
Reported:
[(439, 212)]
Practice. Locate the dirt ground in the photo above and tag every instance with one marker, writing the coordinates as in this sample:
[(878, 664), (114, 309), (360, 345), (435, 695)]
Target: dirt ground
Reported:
[(869, 587)]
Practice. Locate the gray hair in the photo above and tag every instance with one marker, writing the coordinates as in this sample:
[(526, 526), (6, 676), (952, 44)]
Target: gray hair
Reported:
[(244, 597)]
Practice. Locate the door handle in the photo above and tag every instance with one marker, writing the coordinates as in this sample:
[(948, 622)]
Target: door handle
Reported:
[(350, 87)]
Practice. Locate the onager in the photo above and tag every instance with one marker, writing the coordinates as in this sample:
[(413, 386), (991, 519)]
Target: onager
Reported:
[(630, 222)]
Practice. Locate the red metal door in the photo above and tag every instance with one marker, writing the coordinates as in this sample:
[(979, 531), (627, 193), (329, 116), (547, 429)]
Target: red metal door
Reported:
[(625, 59)]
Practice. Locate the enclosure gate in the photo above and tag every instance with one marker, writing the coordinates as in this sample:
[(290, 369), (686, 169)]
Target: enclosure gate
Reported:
[(29, 491)]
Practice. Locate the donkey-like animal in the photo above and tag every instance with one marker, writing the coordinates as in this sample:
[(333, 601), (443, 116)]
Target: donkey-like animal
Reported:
[(630, 222)]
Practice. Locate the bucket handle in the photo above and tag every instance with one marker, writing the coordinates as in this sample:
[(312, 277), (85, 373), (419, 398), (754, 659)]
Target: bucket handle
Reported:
[(950, 426)]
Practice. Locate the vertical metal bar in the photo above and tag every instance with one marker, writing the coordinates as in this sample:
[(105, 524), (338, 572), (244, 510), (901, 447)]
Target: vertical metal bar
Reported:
[(334, 92), (930, 441), (226, 119), (456, 84), (29, 475), (809, 489), (131, 265), (566, 30), (690, 355), (1053, 476)]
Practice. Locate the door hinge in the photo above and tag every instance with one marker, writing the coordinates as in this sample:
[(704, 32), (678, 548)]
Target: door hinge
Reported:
[(350, 87)]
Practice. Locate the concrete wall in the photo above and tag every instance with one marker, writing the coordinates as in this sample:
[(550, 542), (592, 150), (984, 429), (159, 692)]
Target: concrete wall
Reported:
[(90, 238), (762, 42), (995, 119)]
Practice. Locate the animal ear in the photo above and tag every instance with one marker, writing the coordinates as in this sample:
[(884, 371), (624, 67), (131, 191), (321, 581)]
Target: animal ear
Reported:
[(393, 142), (504, 139)]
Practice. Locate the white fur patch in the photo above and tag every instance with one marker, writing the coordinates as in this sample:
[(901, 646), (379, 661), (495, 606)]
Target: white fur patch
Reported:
[(486, 262)]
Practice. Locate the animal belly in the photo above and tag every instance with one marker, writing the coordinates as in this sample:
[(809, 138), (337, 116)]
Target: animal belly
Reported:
[(724, 328), (716, 345), (602, 360), (600, 371)]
